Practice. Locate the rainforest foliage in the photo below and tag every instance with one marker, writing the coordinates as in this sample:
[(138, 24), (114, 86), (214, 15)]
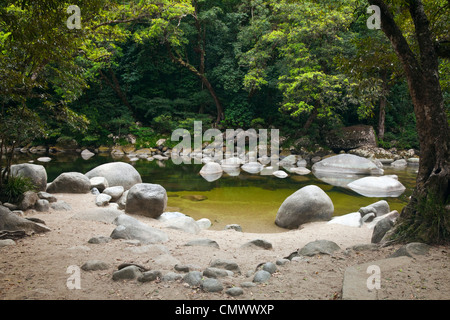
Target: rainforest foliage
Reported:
[(147, 67)]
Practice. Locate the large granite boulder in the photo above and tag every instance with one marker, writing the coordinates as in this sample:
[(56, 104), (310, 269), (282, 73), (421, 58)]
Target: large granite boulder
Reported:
[(117, 174), (377, 187), (351, 137), (346, 164), (308, 204), (9, 221), (133, 229), (146, 199), (35, 172), (70, 182)]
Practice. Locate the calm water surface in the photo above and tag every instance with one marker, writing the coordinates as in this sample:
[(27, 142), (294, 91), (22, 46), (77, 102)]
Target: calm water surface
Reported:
[(249, 200)]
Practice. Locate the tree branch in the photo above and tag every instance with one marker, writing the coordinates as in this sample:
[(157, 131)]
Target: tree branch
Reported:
[(424, 36), (398, 41), (121, 21)]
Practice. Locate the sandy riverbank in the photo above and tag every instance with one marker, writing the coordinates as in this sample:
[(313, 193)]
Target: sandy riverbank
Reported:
[(36, 267)]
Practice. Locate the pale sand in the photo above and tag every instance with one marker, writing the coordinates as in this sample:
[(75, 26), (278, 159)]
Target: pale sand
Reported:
[(36, 267)]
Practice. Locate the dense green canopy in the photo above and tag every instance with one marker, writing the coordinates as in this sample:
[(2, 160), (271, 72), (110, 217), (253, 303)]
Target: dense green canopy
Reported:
[(303, 66)]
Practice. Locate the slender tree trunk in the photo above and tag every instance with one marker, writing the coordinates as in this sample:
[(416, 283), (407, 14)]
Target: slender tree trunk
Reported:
[(311, 119), (382, 118), (427, 216), (2, 173), (203, 78), (115, 85)]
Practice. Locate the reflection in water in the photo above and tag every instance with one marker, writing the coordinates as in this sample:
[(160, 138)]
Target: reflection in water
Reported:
[(251, 200)]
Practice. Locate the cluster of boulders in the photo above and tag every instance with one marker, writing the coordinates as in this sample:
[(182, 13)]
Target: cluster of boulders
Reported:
[(359, 174), (39, 200), (121, 183), (116, 182), (224, 275), (210, 278), (311, 203), (377, 216)]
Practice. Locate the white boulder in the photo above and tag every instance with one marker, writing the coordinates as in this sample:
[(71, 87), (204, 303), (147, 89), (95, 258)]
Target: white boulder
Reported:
[(377, 187), (117, 174)]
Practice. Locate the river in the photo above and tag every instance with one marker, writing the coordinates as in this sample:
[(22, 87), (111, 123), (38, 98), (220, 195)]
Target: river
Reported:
[(249, 200)]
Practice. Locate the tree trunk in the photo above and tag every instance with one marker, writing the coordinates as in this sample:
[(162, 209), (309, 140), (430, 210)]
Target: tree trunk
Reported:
[(426, 218), (382, 117), (311, 119), (203, 78)]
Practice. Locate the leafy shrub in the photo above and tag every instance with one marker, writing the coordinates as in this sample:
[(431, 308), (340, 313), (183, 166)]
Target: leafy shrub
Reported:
[(258, 123), (163, 123), (238, 115), (402, 137), (145, 137), (188, 122), (15, 187)]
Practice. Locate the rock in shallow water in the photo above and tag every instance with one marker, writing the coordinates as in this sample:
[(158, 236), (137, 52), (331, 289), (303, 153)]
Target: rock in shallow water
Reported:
[(347, 164), (211, 285), (252, 167), (377, 187), (280, 174), (211, 171)]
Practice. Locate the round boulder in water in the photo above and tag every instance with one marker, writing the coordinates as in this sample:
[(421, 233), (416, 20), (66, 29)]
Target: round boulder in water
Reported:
[(346, 164), (253, 167), (377, 187), (211, 171)]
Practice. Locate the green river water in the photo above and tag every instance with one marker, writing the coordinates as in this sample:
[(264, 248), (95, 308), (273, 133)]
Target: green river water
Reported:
[(249, 200)]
